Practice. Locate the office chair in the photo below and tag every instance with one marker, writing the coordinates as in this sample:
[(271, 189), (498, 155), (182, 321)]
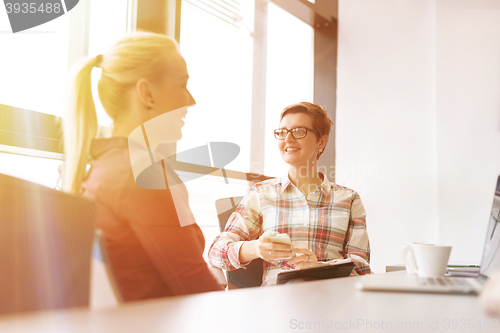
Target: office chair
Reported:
[(45, 247), (240, 278), (104, 289)]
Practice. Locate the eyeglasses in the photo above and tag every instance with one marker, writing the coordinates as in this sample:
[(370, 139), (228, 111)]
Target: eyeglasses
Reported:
[(297, 133)]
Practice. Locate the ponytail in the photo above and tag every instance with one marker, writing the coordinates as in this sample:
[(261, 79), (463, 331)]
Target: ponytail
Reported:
[(80, 123)]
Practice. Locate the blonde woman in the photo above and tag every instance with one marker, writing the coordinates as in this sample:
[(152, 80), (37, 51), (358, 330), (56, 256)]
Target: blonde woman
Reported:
[(151, 254), (325, 221)]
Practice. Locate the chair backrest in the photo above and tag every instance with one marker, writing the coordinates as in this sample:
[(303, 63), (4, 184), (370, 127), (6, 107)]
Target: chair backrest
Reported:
[(45, 247), (252, 275), (104, 289)]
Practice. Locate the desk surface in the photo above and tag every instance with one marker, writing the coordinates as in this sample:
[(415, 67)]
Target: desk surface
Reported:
[(319, 306)]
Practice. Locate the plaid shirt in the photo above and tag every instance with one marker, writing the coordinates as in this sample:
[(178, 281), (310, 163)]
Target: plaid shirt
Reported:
[(331, 223)]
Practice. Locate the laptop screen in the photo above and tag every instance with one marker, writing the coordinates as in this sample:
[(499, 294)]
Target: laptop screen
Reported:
[(491, 253)]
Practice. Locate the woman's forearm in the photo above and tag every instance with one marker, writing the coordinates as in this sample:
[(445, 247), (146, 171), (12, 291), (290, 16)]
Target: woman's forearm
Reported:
[(248, 251)]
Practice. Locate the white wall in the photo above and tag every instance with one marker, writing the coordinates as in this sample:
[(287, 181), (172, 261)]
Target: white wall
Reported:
[(386, 120), (419, 107), (468, 120)]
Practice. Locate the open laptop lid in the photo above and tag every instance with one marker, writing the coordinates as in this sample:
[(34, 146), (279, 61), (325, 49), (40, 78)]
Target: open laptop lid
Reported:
[(491, 253), (46, 241)]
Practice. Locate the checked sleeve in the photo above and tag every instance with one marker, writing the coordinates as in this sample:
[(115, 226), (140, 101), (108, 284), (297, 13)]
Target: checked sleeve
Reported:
[(243, 225), (356, 245)]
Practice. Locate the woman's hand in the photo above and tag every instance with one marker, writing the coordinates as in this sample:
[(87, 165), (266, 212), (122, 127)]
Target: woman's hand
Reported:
[(303, 258), (270, 251), (265, 249)]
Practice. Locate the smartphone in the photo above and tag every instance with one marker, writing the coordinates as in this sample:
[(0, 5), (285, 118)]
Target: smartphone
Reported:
[(281, 239)]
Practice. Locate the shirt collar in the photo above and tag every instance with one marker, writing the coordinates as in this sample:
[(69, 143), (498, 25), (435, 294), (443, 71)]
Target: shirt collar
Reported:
[(325, 185), (285, 182)]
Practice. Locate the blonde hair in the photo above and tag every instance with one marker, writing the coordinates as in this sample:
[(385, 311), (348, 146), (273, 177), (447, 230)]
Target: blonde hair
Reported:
[(136, 56), (321, 121)]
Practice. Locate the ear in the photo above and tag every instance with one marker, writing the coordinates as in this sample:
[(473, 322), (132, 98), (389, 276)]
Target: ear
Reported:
[(323, 140), (143, 89)]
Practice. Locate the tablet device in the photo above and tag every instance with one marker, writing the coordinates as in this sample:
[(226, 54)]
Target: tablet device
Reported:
[(323, 271)]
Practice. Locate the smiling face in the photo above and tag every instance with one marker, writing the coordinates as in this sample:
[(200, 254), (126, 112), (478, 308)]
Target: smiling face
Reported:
[(300, 152), (171, 97)]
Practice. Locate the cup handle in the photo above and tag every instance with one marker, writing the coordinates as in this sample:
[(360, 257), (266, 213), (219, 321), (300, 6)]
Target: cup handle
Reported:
[(409, 263)]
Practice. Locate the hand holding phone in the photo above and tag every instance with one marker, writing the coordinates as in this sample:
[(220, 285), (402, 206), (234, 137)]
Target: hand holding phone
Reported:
[(283, 239), (272, 246)]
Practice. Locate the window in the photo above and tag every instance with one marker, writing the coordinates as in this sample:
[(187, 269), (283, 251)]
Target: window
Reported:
[(43, 171), (34, 64), (219, 60), (289, 76)]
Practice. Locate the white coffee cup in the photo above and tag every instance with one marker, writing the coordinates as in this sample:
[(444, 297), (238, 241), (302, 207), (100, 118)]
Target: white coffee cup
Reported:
[(429, 260), (409, 258)]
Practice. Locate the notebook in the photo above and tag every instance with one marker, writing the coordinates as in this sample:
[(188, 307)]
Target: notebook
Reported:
[(461, 285)]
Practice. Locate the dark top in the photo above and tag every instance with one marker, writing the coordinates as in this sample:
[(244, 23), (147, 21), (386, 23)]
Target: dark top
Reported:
[(151, 255)]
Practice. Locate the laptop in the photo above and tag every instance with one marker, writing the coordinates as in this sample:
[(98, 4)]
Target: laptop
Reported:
[(459, 285), (46, 239)]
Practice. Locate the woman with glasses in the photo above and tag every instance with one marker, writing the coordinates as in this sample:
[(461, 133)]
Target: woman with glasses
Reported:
[(154, 246), (325, 221)]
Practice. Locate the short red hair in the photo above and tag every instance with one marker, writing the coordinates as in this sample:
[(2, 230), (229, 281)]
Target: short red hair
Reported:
[(321, 121)]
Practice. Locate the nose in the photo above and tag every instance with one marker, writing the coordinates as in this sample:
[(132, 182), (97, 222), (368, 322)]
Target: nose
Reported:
[(289, 137), (191, 98)]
